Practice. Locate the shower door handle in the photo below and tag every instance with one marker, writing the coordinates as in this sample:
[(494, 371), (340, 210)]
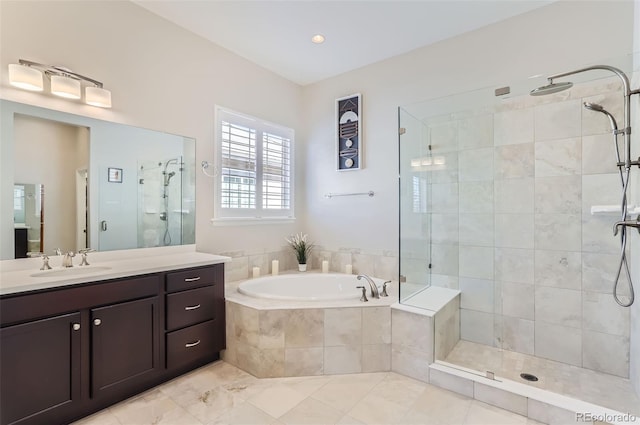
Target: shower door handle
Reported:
[(103, 225)]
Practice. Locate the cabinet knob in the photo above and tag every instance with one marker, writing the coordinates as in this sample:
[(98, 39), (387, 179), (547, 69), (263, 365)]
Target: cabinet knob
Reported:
[(76, 326), (97, 322)]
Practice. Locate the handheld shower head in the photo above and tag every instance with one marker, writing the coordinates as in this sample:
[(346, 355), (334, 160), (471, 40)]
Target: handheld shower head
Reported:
[(598, 108), (167, 177), (593, 106), (551, 88)]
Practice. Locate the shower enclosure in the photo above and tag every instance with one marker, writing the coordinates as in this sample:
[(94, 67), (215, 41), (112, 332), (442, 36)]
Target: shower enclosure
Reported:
[(512, 199)]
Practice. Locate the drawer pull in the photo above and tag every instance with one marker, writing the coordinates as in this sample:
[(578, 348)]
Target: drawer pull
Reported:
[(192, 344), (192, 307), (192, 279)]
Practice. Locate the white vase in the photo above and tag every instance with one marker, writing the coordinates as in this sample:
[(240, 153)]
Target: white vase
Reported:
[(302, 267)]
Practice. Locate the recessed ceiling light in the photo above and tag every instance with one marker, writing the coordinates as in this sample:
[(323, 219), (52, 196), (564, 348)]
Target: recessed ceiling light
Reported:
[(318, 38)]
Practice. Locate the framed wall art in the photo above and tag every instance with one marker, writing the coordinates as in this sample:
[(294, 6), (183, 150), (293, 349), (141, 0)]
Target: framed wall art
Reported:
[(115, 175), (349, 132)]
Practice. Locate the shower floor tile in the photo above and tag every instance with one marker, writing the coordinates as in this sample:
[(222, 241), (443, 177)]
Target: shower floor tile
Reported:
[(584, 384)]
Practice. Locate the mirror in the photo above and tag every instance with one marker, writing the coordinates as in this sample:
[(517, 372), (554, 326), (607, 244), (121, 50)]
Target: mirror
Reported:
[(109, 186), (28, 214)]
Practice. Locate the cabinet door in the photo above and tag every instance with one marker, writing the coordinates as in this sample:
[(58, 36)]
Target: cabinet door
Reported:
[(125, 350), (40, 370)]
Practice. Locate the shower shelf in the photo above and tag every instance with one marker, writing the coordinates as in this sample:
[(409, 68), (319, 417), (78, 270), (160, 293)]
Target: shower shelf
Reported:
[(613, 209)]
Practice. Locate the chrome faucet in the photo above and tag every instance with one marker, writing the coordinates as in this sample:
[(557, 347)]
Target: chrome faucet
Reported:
[(372, 284), (84, 253), (67, 260), (45, 259)]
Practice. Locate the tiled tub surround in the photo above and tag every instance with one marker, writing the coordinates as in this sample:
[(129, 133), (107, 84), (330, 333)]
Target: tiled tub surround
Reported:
[(383, 264), (274, 338), (535, 268)]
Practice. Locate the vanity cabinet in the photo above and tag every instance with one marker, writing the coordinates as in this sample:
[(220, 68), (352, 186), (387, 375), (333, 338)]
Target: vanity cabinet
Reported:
[(125, 349), (195, 330), (68, 352), (40, 369)]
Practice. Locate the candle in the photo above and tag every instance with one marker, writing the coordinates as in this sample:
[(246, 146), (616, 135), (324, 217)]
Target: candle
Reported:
[(348, 269), (275, 267), (256, 272), (325, 266)]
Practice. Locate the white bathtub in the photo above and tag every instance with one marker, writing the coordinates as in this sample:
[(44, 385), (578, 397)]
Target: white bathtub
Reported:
[(307, 287)]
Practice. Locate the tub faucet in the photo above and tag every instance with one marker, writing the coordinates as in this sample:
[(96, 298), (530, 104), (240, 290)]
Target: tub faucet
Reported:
[(372, 284)]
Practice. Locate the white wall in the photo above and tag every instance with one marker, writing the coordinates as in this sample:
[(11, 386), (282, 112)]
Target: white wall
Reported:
[(161, 77), (49, 153), (554, 38)]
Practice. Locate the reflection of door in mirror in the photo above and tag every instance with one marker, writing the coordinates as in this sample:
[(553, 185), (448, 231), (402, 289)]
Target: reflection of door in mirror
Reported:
[(28, 218), (53, 152)]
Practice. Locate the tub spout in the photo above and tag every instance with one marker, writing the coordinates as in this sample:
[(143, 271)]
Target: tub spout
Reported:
[(372, 284)]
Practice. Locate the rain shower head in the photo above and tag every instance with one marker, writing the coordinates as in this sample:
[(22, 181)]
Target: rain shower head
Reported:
[(551, 88)]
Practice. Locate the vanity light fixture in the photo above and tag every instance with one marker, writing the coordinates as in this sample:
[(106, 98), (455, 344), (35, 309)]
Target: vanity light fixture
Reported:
[(25, 77), (65, 83), (66, 87)]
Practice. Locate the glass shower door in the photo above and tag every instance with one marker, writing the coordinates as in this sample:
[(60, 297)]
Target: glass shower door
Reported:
[(415, 218)]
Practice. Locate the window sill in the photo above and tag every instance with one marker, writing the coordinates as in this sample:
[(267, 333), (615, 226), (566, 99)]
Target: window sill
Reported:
[(251, 221)]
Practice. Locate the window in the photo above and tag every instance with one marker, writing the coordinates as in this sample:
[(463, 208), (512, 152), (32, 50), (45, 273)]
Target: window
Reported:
[(255, 162)]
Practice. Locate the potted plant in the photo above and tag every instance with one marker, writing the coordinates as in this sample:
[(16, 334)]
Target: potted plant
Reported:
[(302, 247)]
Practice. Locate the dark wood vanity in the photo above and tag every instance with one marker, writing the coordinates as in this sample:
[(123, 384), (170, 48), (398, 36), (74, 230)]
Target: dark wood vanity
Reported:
[(66, 352)]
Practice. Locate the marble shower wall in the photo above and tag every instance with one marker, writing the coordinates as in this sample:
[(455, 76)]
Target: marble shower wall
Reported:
[(535, 267)]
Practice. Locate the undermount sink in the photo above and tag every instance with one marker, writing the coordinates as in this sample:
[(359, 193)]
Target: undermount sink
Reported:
[(71, 271)]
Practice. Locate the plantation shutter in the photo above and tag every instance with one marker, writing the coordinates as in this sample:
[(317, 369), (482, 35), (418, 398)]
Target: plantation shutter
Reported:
[(239, 166), (276, 172), (256, 170)]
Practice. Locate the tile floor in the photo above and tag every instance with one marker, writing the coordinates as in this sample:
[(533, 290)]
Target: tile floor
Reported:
[(223, 394), (585, 384)]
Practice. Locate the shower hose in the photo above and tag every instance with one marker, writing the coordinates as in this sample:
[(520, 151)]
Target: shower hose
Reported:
[(623, 264)]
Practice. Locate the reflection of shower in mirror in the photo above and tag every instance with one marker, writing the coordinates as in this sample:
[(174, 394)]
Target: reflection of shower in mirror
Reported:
[(160, 220)]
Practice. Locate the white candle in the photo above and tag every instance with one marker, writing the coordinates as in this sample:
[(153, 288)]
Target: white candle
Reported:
[(275, 267), (256, 272), (348, 269), (325, 266)]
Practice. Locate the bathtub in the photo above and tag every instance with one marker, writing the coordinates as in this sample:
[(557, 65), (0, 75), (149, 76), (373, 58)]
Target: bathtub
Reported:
[(307, 287)]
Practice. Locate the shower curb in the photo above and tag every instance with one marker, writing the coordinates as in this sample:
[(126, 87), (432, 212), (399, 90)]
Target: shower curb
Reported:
[(535, 403)]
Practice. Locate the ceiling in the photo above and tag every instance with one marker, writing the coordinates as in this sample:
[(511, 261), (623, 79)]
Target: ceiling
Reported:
[(277, 34)]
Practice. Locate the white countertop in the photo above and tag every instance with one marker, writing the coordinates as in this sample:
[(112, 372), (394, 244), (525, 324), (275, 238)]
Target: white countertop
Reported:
[(25, 275)]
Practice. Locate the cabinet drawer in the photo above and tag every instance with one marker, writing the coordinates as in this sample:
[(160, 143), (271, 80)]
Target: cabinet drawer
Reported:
[(192, 344), (195, 278), (190, 307)]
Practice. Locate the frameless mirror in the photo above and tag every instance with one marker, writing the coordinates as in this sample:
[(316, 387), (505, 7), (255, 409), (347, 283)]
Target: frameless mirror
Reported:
[(109, 186), (28, 216)]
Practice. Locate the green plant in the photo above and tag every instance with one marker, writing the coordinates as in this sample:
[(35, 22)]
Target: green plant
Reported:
[(301, 246)]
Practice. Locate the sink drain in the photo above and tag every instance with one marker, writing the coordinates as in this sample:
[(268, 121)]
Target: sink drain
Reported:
[(529, 377)]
